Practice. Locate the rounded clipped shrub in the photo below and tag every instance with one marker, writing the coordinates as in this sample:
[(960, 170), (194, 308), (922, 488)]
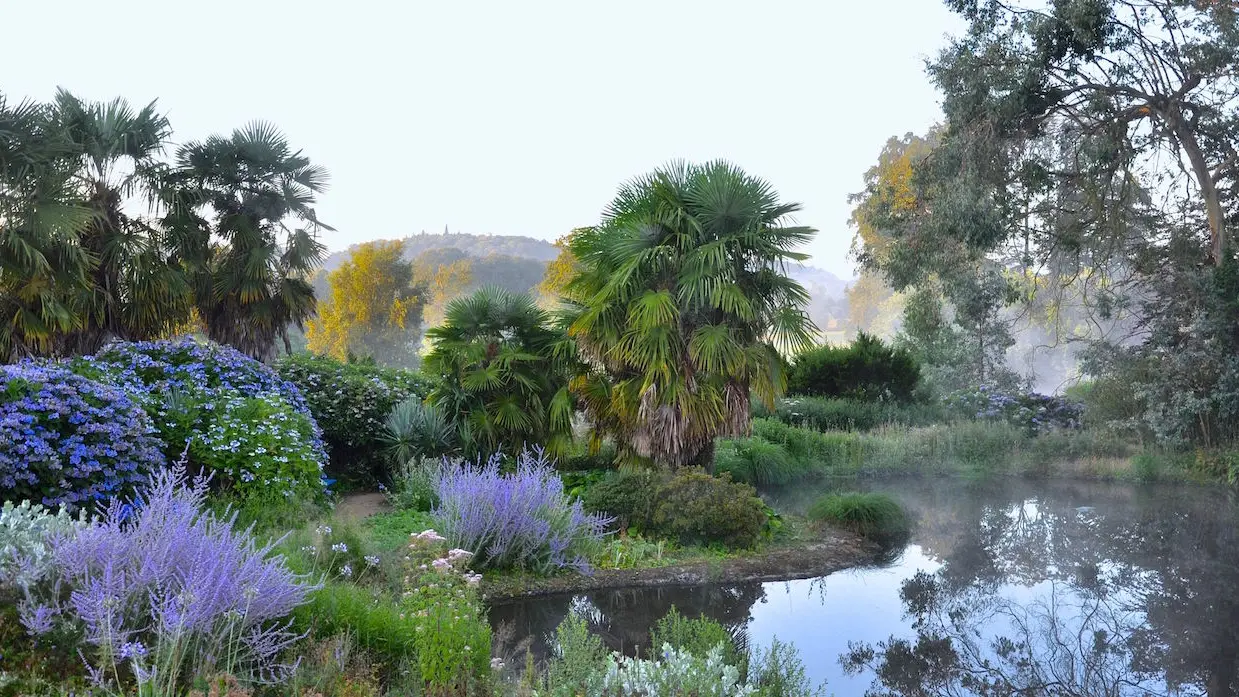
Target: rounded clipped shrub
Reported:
[(351, 403), (696, 507), (866, 369), (234, 416), (65, 439), (628, 495), (871, 515)]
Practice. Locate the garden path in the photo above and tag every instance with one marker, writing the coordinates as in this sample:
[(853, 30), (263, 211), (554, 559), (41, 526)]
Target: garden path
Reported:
[(362, 505)]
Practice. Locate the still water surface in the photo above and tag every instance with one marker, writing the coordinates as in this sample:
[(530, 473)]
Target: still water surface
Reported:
[(1007, 587)]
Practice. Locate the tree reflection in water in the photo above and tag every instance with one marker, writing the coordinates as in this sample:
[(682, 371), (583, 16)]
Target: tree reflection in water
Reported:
[(1037, 588), (1132, 595)]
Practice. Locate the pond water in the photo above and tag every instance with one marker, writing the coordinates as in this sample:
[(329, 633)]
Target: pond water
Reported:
[(1005, 587)]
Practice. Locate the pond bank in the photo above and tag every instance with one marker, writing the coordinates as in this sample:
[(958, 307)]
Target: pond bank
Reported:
[(831, 550)]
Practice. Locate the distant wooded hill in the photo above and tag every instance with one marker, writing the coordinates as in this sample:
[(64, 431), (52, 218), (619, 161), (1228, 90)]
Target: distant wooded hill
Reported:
[(472, 245)]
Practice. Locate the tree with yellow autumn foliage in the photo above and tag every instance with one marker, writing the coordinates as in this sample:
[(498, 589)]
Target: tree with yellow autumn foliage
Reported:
[(373, 309)]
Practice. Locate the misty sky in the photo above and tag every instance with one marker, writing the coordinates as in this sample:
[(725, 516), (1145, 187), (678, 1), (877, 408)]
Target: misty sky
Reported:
[(516, 117)]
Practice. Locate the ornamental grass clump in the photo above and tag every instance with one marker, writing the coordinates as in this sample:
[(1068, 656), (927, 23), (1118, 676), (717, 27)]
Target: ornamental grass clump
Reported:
[(522, 520), (67, 440), (162, 591), (872, 515)]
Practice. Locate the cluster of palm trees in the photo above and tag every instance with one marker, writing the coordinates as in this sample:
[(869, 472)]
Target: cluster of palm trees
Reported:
[(102, 236)]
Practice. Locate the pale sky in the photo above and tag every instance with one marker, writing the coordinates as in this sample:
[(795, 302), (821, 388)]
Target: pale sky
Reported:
[(516, 118)]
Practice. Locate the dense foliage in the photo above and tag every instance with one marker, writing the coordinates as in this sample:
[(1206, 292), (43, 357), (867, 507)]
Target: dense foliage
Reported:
[(236, 417), (582, 667), (519, 520), (867, 369), (681, 298), (502, 373), (351, 403), (696, 507), (68, 440), (833, 414)]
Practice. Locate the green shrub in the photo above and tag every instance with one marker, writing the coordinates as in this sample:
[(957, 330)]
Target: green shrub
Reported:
[(628, 495), (1111, 403), (416, 430), (866, 369), (695, 507), (413, 485), (578, 457), (351, 401), (871, 515), (375, 621), (242, 422), (779, 672), (259, 449), (694, 635), (577, 666)]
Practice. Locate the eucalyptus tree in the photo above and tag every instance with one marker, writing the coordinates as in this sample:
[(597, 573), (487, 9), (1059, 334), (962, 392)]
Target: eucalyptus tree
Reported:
[(243, 205), (502, 373), (681, 302)]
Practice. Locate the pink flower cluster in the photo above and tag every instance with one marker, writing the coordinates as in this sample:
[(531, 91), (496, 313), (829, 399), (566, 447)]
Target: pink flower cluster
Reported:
[(456, 561)]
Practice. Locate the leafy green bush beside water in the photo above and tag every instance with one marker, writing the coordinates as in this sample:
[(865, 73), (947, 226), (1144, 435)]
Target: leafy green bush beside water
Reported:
[(687, 657), (689, 506)]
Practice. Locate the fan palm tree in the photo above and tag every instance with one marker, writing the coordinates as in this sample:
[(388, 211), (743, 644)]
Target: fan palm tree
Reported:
[(246, 202), (42, 269), (503, 373), (682, 305), (137, 288)]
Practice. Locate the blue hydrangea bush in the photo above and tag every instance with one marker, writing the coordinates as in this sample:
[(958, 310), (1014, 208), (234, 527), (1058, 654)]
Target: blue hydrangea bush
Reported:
[(67, 440), (1033, 412), (236, 417)]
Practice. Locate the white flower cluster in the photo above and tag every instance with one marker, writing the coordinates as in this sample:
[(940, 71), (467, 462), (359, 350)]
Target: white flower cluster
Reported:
[(678, 673)]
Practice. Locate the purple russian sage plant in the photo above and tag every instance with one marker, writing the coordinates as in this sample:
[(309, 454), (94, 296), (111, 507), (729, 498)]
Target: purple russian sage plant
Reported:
[(166, 591), (520, 520)]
